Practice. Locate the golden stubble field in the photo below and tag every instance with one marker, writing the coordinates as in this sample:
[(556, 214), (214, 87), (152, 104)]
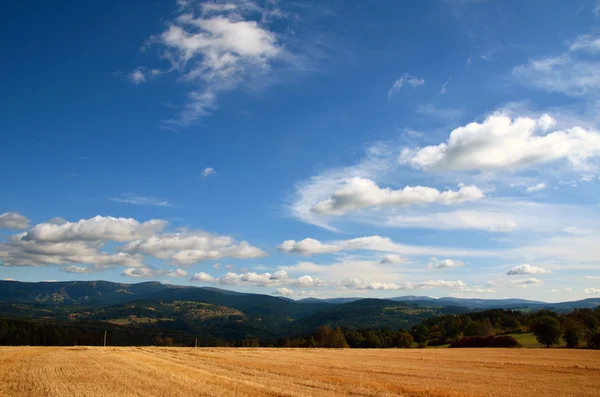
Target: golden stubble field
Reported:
[(98, 371)]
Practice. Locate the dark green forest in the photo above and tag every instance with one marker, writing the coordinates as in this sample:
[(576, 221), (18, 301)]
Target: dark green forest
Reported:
[(578, 328)]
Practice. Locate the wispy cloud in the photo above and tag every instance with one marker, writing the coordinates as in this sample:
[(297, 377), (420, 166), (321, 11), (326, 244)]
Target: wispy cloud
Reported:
[(405, 79), (444, 87), (141, 200), (575, 72), (537, 188), (215, 48)]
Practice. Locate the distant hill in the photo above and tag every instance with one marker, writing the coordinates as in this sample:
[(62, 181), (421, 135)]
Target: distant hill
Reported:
[(371, 313), (82, 293), (476, 303)]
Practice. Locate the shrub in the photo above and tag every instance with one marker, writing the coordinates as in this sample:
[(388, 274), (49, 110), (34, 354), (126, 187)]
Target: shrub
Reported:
[(422, 345), (547, 330), (487, 341), (574, 333)]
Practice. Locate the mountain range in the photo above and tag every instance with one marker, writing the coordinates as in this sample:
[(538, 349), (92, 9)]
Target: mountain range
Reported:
[(217, 313)]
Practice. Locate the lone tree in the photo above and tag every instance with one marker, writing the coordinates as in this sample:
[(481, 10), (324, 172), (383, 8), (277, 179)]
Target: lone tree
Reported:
[(547, 330)]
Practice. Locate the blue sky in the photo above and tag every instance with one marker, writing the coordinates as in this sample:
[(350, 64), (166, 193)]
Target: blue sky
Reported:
[(331, 148)]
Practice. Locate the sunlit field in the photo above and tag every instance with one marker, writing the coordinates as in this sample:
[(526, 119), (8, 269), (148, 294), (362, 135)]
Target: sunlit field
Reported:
[(97, 371)]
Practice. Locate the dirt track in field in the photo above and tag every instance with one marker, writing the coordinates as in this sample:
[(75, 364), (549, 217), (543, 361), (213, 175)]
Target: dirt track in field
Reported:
[(97, 371)]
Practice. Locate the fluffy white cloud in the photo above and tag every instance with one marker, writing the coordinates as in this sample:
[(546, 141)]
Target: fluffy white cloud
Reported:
[(208, 171), (405, 79), (379, 159), (98, 228), (192, 247), (59, 242), (536, 188), (526, 269), (444, 264), (571, 73), (360, 193), (308, 247), (393, 259), (13, 220), (522, 283), (501, 142), (282, 291), (203, 277), (20, 251), (592, 291), (279, 278)]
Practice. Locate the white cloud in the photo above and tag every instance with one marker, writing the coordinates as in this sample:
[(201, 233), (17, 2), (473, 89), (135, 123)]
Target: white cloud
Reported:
[(148, 272), (360, 193), (141, 272), (208, 171), (592, 291), (60, 242), (571, 73), (137, 76), (587, 43), (141, 200), (504, 143), (187, 248), (282, 291), (218, 50), (13, 220), (592, 277), (308, 247), (79, 269), (522, 283), (536, 188), (393, 259), (97, 228), (203, 277), (217, 266), (177, 273), (526, 269), (405, 79), (279, 279), (22, 250), (358, 284), (9, 279), (379, 159), (587, 178), (444, 264)]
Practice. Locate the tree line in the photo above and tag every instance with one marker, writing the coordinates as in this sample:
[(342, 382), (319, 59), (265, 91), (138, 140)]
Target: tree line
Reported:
[(578, 328)]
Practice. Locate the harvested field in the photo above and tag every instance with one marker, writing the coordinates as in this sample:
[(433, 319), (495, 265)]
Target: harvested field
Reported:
[(97, 371)]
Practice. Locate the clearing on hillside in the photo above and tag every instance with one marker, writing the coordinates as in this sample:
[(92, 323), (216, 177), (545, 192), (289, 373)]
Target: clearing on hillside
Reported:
[(98, 371)]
